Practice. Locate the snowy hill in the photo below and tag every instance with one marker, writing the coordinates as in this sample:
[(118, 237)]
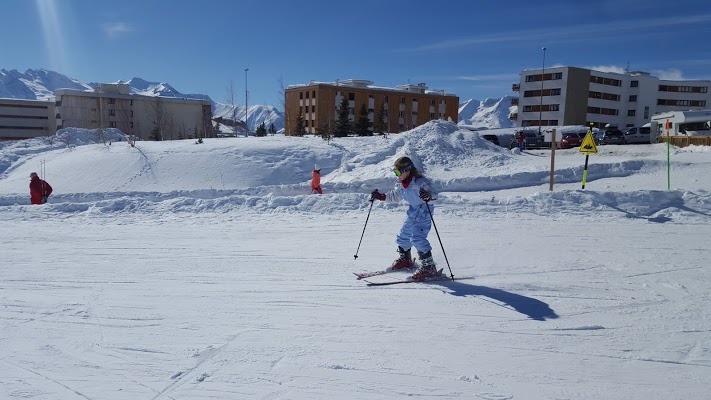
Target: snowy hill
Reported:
[(176, 270), (489, 114)]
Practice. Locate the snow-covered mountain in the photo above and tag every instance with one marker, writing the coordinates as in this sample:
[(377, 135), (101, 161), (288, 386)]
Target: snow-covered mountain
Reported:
[(35, 84), (489, 114), (40, 85)]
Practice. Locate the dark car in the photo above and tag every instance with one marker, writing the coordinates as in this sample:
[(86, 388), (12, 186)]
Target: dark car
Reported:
[(533, 141), (492, 138), (570, 140), (612, 136)]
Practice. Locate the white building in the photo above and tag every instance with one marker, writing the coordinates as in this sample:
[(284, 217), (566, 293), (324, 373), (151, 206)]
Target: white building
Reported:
[(112, 106), (23, 119), (578, 96)]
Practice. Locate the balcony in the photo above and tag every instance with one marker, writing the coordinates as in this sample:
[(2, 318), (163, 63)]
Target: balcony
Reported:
[(513, 116), (514, 101), (515, 87)]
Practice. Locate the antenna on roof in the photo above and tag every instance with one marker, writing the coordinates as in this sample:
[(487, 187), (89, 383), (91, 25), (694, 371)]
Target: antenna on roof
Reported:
[(627, 69)]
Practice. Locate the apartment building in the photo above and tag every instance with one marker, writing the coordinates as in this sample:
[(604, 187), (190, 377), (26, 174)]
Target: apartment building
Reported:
[(113, 106), (406, 106), (578, 96), (24, 119)]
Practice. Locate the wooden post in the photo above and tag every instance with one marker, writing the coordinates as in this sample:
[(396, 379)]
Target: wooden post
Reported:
[(552, 160)]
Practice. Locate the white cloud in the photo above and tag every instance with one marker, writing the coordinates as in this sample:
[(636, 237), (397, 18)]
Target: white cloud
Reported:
[(607, 68), (114, 30), (495, 77), (671, 74)]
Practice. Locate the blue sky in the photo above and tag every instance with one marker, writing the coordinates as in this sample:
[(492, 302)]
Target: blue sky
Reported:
[(471, 48)]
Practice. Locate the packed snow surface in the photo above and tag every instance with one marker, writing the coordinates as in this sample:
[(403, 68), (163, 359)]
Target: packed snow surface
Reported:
[(176, 270)]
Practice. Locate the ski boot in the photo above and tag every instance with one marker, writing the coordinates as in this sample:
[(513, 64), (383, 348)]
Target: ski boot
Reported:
[(404, 262), (427, 269)]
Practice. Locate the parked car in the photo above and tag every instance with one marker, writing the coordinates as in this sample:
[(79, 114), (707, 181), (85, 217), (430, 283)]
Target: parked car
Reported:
[(533, 141), (641, 134), (492, 138), (612, 136), (570, 140)]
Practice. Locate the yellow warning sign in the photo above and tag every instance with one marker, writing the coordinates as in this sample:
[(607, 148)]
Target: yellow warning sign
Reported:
[(588, 145)]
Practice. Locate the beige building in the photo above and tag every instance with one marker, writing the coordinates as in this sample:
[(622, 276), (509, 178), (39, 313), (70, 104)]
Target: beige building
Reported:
[(406, 106), (579, 96), (112, 106), (24, 119)]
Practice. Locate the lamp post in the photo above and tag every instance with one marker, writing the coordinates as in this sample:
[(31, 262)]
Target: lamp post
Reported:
[(540, 110), (246, 106)]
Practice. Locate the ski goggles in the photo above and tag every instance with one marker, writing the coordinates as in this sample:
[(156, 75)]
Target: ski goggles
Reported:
[(400, 171)]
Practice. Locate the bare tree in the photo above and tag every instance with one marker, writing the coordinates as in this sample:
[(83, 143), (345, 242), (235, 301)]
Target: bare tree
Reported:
[(160, 119), (282, 102), (230, 99)]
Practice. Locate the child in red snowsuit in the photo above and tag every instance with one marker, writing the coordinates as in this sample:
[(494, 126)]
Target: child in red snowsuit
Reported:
[(39, 189), (316, 180)]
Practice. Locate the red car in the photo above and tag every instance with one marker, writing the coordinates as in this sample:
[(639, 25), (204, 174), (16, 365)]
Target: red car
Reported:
[(570, 140)]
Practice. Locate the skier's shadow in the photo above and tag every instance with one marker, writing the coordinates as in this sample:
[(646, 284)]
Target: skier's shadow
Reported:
[(534, 309)]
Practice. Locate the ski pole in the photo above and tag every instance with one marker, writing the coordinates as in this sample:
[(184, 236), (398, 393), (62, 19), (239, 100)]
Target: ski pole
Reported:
[(372, 200), (438, 238)]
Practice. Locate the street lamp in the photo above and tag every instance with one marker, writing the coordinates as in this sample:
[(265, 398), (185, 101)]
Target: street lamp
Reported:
[(246, 106), (540, 110)]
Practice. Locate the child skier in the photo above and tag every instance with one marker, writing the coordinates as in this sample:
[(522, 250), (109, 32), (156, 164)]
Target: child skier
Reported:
[(39, 189), (414, 189), (316, 180)]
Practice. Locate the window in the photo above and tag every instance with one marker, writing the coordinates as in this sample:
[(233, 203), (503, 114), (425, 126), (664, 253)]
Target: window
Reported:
[(58, 103), (313, 94), (131, 124), (634, 84), (307, 94), (631, 113), (130, 102), (646, 112), (131, 113), (112, 101), (554, 107), (558, 75), (112, 124), (633, 98), (432, 102), (301, 95), (351, 96), (385, 99), (112, 113), (402, 100), (432, 116), (307, 109)]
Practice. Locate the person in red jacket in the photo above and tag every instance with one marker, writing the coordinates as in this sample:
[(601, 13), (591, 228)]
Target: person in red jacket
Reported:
[(39, 189), (316, 180)]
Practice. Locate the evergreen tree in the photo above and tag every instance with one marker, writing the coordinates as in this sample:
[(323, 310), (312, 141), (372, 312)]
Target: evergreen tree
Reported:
[(261, 130), (272, 129), (155, 134), (300, 130), (343, 125), (379, 125), (363, 123), (325, 132)]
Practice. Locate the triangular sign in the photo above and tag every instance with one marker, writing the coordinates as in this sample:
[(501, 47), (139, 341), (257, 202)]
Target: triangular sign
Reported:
[(588, 145)]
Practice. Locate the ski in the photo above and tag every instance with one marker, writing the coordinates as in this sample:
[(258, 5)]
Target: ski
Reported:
[(362, 275), (439, 277)]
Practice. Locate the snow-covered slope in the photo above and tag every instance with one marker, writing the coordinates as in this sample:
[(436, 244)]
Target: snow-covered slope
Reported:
[(176, 270)]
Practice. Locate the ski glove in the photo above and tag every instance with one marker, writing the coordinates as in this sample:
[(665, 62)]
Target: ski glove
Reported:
[(377, 195), (425, 195)]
